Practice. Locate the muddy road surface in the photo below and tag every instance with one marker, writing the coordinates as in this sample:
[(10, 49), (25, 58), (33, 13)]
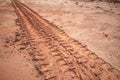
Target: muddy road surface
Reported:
[(58, 56)]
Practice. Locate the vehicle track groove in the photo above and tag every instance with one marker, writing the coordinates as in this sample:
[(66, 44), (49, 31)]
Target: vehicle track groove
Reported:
[(58, 56)]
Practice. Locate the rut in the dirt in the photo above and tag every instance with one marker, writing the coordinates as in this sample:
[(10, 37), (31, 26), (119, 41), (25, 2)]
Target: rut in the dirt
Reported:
[(56, 55)]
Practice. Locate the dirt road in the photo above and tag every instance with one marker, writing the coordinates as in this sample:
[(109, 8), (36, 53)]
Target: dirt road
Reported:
[(56, 55)]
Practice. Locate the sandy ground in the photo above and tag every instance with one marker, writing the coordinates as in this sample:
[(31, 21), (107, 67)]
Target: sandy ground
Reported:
[(93, 24), (15, 63)]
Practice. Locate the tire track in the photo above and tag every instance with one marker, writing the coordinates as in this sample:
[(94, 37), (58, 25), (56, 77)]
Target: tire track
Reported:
[(57, 56)]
